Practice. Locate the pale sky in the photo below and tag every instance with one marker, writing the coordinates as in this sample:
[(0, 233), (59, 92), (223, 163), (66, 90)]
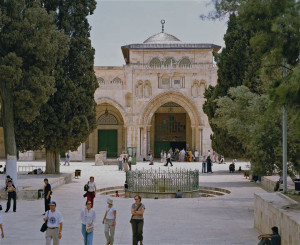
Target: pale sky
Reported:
[(119, 22)]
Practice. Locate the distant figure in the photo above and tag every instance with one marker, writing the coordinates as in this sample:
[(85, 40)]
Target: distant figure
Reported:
[(126, 189), (270, 239), (150, 159), (117, 194), (179, 194), (11, 194), (67, 160), (208, 164), (129, 162), (169, 160), (120, 159), (91, 192), (47, 194), (162, 156), (222, 160), (232, 167), (203, 164), (196, 154), (8, 178)]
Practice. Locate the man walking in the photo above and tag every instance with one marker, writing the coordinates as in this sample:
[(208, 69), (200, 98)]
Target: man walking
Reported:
[(169, 160), (55, 223), (47, 194), (11, 194)]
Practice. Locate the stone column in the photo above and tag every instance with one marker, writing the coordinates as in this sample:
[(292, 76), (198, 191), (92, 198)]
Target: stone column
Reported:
[(148, 138), (200, 128), (193, 137)]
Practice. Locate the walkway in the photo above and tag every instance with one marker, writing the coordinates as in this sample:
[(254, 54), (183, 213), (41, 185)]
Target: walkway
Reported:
[(222, 220)]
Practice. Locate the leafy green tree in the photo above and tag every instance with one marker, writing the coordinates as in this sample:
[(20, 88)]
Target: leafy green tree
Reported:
[(69, 116), (30, 46), (232, 64)]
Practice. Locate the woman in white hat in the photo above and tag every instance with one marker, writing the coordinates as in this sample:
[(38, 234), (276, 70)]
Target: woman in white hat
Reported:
[(109, 220)]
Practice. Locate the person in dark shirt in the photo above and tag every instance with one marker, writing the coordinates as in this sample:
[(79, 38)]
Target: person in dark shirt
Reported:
[(47, 194), (11, 194), (270, 239), (179, 194)]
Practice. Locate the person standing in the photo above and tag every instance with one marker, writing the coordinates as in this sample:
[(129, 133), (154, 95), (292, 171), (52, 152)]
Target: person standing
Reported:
[(54, 223), (196, 154), (126, 189), (11, 194), (91, 192), (120, 160), (1, 226), (47, 194), (129, 162), (88, 218), (208, 164), (169, 160), (109, 220), (137, 220), (203, 164)]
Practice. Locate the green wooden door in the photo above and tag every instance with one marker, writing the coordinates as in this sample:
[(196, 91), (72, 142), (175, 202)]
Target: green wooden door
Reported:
[(108, 141), (159, 146)]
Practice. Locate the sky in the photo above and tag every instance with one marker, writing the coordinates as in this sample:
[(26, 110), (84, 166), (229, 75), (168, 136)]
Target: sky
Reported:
[(120, 22)]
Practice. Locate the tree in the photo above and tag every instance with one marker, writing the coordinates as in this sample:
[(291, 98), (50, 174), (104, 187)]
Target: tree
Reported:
[(30, 46), (69, 116), (232, 64)]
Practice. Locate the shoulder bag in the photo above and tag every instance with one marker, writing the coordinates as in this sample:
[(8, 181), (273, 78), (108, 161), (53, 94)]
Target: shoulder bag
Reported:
[(44, 225), (131, 220)]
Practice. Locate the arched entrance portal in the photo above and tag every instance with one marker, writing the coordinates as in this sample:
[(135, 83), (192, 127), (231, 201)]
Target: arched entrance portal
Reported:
[(171, 129), (175, 114), (109, 134)]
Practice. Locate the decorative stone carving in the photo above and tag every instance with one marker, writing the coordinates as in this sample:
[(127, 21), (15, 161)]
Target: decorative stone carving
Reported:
[(107, 119)]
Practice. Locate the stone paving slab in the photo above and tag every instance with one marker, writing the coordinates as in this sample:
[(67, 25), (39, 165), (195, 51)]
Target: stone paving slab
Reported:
[(224, 219)]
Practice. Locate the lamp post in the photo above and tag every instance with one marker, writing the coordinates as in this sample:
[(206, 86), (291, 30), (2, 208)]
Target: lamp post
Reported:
[(284, 139)]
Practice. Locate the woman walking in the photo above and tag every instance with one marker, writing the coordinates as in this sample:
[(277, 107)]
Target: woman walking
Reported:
[(91, 192), (137, 220), (88, 218), (109, 220)]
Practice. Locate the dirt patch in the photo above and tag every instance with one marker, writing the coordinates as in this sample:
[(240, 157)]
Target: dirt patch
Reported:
[(294, 197)]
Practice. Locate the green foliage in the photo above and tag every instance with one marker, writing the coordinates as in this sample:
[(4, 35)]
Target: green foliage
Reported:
[(69, 116), (30, 46)]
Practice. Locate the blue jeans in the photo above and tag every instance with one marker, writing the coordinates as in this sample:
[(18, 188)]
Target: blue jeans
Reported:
[(203, 167), (87, 237)]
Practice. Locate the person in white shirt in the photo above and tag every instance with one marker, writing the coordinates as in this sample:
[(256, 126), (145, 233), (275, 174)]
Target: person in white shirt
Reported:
[(88, 218), (196, 153), (109, 220), (1, 226), (91, 193), (129, 162), (55, 223), (169, 160)]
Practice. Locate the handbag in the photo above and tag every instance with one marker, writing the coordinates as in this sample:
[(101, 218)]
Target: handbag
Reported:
[(131, 220), (88, 227), (86, 187), (44, 225)]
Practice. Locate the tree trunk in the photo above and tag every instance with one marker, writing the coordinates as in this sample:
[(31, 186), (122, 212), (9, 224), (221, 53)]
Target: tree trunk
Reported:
[(9, 131), (52, 162)]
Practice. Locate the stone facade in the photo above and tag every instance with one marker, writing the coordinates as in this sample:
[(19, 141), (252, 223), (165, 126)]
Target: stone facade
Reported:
[(163, 81)]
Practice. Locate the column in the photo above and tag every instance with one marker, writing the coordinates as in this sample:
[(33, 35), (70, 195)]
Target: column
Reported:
[(193, 138), (148, 138), (201, 140)]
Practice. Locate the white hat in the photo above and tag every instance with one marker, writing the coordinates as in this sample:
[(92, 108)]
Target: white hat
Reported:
[(109, 200)]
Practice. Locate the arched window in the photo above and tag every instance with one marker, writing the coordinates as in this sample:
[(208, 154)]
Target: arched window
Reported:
[(170, 62), (155, 63), (117, 80), (147, 92), (100, 81), (185, 63), (107, 119)]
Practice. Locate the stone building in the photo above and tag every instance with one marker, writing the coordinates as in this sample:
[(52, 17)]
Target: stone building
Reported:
[(154, 101)]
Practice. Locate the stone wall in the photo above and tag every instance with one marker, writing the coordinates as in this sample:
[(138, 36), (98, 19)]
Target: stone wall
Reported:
[(275, 209)]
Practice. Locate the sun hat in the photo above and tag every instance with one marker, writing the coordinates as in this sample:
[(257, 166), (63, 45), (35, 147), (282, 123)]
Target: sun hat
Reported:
[(110, 201)]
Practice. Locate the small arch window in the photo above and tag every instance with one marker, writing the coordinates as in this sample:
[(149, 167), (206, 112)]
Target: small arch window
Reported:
[(117, 80), (185, 63), (100, 81), (170, 62), (155, 63)]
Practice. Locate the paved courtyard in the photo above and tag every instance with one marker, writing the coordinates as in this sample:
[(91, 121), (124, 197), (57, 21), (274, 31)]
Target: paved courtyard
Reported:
[(222, 220)]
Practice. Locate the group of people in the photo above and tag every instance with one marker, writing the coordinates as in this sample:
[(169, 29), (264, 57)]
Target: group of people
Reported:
[(125, 162)]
